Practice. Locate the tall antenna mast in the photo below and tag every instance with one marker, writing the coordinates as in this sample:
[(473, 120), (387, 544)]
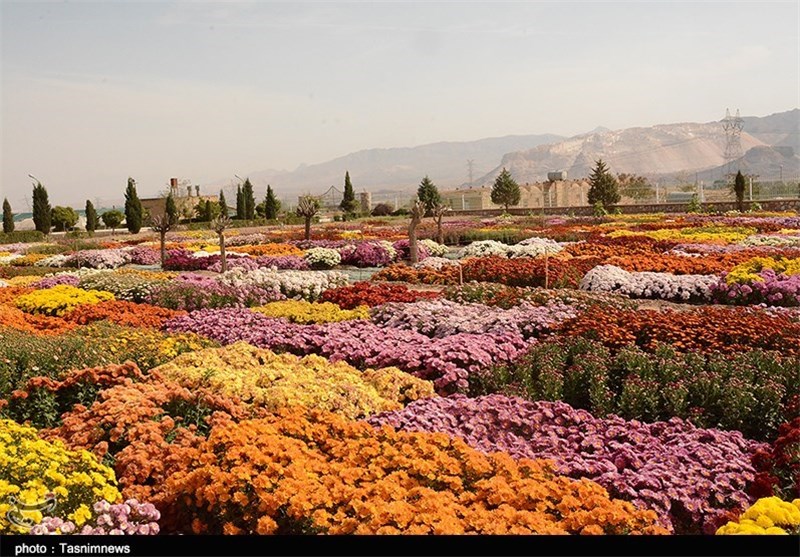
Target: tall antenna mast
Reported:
[(470, 163)]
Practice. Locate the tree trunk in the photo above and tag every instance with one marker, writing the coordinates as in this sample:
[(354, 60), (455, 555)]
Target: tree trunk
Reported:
[(439, 231), (163, 248), (413, 252), (308, 228), (223, 259)]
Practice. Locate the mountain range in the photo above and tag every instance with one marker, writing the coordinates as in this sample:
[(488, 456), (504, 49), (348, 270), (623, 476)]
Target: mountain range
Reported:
[(770, 146)]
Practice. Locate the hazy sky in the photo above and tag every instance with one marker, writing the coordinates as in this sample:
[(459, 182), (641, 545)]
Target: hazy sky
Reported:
[(95, 92)]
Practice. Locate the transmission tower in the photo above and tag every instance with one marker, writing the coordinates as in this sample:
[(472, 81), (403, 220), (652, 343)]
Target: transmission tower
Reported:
[(733, 138), (470, 163)]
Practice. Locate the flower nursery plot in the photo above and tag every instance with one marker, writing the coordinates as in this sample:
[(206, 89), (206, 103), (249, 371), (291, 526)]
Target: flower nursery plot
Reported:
[(614, 375)]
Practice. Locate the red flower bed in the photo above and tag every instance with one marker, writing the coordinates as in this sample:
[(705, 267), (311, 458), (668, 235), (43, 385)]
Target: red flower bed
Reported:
[(552, 272), (708, 329), (366, 294), (779, 466)]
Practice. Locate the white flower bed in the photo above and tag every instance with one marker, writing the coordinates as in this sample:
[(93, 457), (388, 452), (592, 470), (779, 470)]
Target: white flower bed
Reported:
[(7, 259), (437, 263), (323, 257), (661, 286), (58, 260), (298, 285), (435, 249), (532, 247)]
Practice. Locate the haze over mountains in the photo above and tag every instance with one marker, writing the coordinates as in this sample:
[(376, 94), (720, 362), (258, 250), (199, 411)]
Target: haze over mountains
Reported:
[(666, 151)]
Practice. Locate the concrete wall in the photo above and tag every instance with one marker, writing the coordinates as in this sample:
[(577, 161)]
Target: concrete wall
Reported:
[(583, 211)]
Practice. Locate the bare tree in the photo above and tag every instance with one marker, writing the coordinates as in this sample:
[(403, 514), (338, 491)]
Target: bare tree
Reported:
[(219, 224), (162, 225), (439, 211), (417, 212), (308, 207)]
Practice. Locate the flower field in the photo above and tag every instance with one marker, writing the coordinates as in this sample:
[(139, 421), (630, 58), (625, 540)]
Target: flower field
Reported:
[(618, 375)]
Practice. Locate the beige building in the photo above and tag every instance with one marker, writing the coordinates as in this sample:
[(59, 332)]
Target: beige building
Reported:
[(569, 193), (185, 201)]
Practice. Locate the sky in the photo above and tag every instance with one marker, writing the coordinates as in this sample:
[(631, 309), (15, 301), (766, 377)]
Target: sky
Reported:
[(94, 92)]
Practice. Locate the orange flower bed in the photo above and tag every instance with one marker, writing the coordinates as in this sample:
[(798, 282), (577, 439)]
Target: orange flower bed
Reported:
[(711, 264), (320, 473), (36, 324), (553, 272), (710, 329), (10, 293), (272, 249), (611, 247), (404, 273), (123, 313)]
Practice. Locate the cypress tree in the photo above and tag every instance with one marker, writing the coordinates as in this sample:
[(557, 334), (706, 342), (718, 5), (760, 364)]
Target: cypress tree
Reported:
[(505, 190), (349, 205), (603, 186), (239, 203), (271, 205), (248, 200), (171, 210), (8, 217), (738, 188), (223, 204), (91, 217), (428, 193), (133, 208), (42, 212)]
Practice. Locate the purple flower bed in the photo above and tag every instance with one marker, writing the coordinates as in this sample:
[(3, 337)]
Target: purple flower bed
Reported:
[(144, 255), (55, 280), (183, 260), (774, 290), (691, 477), (447, 362), (330, 244), (403, 250), (290, 262), (192, 292), (247, 239), (366, 254), (130, 517), (98, 259), (442, 318)]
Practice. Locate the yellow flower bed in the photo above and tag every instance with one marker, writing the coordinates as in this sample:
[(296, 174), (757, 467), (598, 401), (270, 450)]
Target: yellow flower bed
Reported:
[(769, 515), (31, 467), (60, 299), (274, 381), (29, 259), (23, 280), (748, 271), (300, 311), (710, 234), (149, 347)]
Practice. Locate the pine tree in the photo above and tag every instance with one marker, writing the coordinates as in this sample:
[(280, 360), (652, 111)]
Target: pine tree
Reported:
[(603, 186), (8, 217), (171, 210), (248, 200), (428, 193), (505, 191), (239, 203), (42, 211), (271, 205), (738, 188), (91, 217), (223, 205), (349, 205), (133, 208)]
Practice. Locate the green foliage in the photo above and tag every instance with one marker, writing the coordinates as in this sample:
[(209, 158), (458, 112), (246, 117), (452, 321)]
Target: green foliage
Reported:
[(738, 189), (91, 217), (207, 210), (134, 214), (598, 210), (112, 219), (239, 203), (248, 200), (63, 218), (349, 205), (750, 392), (635, 187), (603, 186), (428, 193), (222, 204), (41, 209), (694, 205), (8, 218), (271, 205), (171, 210), (382, 210), (505, 191), (21, 236)]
